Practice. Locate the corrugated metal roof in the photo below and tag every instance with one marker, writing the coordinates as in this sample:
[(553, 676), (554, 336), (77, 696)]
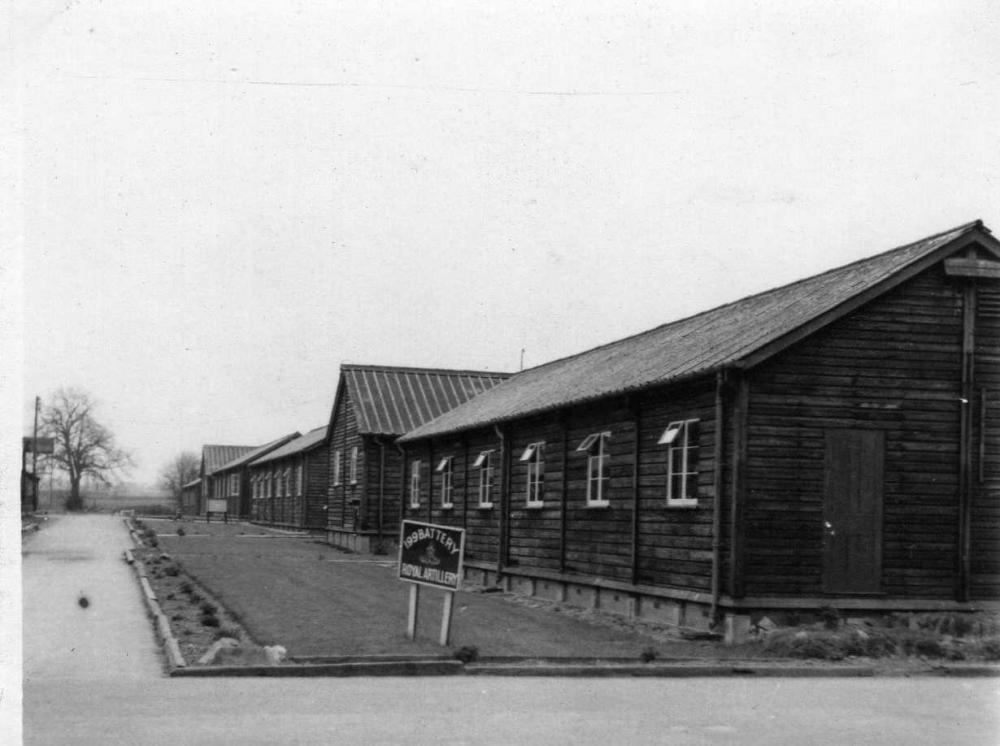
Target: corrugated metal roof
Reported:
[(215, 456), (392, 401), (303, 443), (257, 452), (682, 349)]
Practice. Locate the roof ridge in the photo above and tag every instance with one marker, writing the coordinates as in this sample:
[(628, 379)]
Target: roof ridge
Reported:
[(418, 370), (957, 229)]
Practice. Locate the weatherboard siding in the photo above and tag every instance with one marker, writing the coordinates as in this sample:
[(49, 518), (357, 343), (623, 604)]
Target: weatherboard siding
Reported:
[(598, 539), (536, 532), (675, 544), (985, 514), (344, 498), (315, 485), (667, 546), (893, 366)]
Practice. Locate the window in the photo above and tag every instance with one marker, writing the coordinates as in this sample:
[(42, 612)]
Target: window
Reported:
[(534, 454), (415, 484), (354, 465), (280, 484), (298, 480), (288, 482), (447, 487), (234, 484), (595, 446), (485, 465), (681, 440), (336, 467)]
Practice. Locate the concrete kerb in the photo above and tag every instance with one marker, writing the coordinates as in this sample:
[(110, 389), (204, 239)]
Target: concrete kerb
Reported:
[(551, 668), (165, 635)]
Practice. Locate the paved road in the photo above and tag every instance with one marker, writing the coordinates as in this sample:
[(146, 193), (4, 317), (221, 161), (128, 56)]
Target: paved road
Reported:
[(93, 677)]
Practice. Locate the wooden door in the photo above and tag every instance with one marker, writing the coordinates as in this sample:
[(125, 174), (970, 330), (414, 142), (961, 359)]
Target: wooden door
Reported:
[(852, 511)]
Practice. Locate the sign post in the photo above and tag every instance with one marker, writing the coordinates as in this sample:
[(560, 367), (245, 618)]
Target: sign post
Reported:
[(431, 555), (217, 505)]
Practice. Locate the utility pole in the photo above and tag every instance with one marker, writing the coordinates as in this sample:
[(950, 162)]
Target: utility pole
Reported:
[(34, 458)]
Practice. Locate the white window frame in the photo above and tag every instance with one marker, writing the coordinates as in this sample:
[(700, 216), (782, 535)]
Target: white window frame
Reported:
[(353, 473), (288, 481), (415, 483), (485, 465), (534, 455), (598, 472), (279, 478), (680, 445), (337, 467), (234, 484), (445, 469), (298, 480)]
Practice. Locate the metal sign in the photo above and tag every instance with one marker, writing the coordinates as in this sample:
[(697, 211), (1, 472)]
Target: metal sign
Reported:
[(39, 445), (431, 555), (218, 506)]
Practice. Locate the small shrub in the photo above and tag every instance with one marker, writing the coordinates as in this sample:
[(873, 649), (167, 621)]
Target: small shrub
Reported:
[(962, 625), (209, 620), (930, 647), (226, 632), (177, 617), (467, 654), (869, 644), (186, 587), (830, 617), (648, 655), (990, 649), (819, 644), (171, 570), (170, 596), (194, 596), (208, 608)]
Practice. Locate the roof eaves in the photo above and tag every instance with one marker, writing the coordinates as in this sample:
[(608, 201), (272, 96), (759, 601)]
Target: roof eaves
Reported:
[(417, 434)]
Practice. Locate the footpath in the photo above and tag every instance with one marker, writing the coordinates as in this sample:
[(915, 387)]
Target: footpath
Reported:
[(83, 616)]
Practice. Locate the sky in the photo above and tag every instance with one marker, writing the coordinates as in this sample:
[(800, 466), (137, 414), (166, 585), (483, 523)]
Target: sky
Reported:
[(216, 204)]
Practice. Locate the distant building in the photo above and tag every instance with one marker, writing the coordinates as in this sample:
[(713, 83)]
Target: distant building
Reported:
[(832, 442), (191, 497), (288, 486), (29, 492), (212, 458), (373, 406), (231, 480)]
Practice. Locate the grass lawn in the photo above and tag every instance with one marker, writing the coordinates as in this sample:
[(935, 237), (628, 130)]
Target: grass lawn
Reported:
[(316, 600)]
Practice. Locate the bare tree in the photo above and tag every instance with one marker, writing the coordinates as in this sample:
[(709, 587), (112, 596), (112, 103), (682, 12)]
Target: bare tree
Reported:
[(83, 446), (183, 468)]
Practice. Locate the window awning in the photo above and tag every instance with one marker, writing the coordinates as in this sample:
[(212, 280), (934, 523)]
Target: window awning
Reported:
[(670, 434)]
